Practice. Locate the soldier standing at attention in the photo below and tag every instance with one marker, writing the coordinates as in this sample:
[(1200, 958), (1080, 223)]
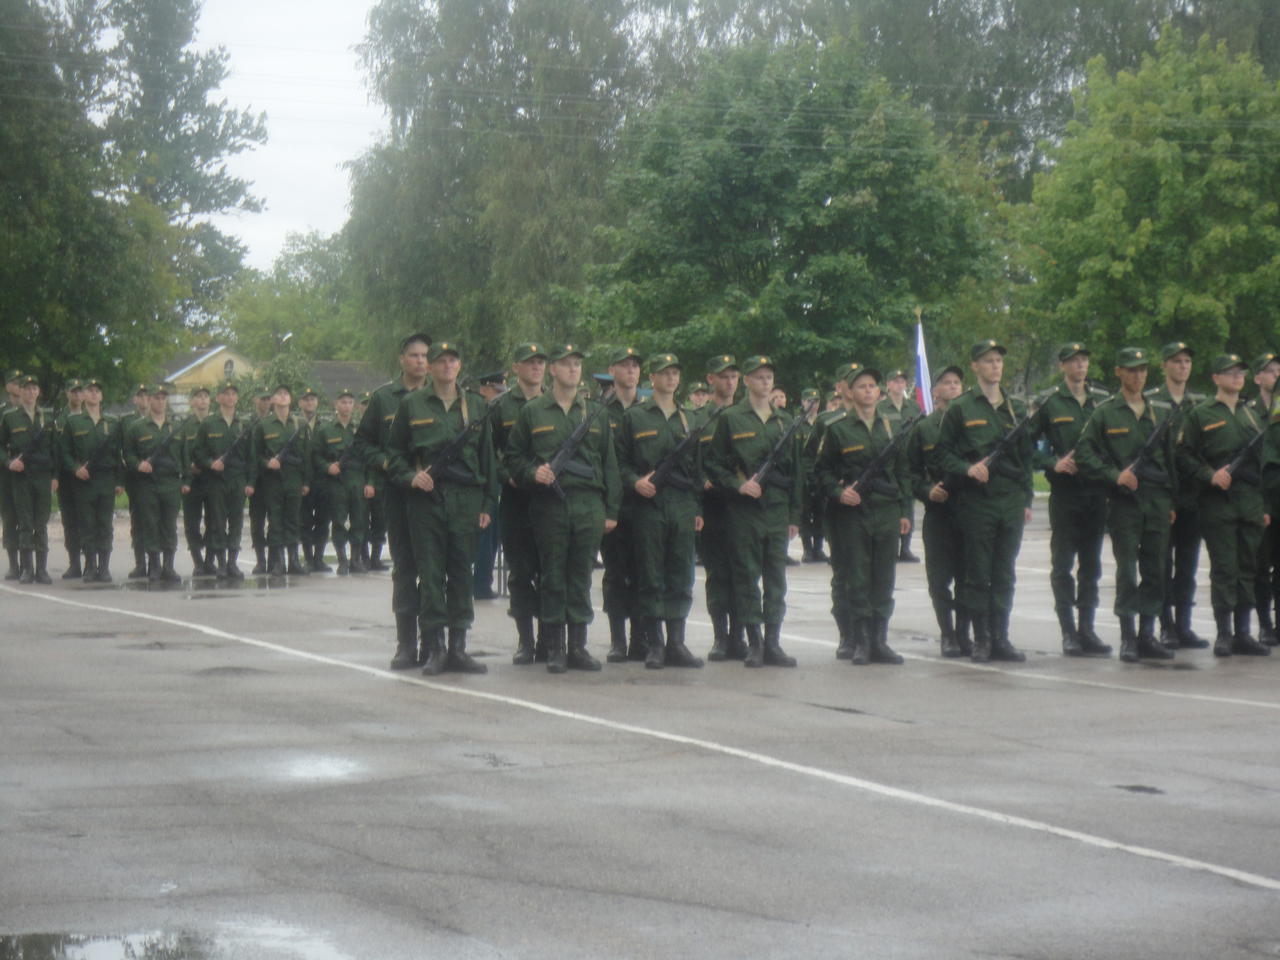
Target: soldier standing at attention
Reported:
[(872, 517), (618, 585), (339, 477), (1173, 398), (840, 610), (699, 394), (257, 503), (567, 526), (195, 487), (372, 437), (994, 503), (1077, 504), (141, 405), (222, 452), (1266, 368), (665, 517), (281, 461), (943, 539), (91, 455), (490, 386), (515, 519), (811, 535), (9, 519), (312, 525), (726, 628), (152, 452), (28, 439), (67, 505), (1232, 515), (895, 408), (761, 517)]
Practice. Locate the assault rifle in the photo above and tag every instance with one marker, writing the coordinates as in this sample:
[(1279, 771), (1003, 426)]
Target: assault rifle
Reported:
[(1243, 453), (96, 458), (559, 461), (669, 462), (1005, 443), (286, 448), (450, 452), (880, 459), (766, 467), (162, 446), (1143, 456), (241, 437), (34, 440)]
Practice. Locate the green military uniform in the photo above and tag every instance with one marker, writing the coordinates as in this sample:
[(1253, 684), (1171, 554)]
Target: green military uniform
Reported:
[(757, 528), (869, 536), (8, 517), (131, 492), (345, 510), (1271, 488), (31, 438), (257, 503), (839, 610), (68, 508), (159, 492), (227, 444), (811, 524), (1212, 435), (618, 584), (376, 533), (94, 445), (1077, 512), (663, 524), (287, 442), (1267, 587), (1138, 521), (313, 513), (195, 499), (717, 562), (568, 530), (993, 513), (897, 415)]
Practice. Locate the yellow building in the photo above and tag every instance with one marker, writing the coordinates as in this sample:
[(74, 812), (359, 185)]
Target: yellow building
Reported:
[(205, 367)]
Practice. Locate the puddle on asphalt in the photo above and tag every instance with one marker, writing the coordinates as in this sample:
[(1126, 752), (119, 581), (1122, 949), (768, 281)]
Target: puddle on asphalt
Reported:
[(1139, 788), (205, 588), (264, 941), (320, 768)]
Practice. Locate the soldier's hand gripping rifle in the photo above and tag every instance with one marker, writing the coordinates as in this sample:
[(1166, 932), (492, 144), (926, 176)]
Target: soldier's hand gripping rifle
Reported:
[(286, 448), (877, 463), (241, 437), (33, 441), (672, 459), (1004, 444), (1243, 453), (449, 453), (560, 460), (767, 465), (99, 453), (162, 447), (1141, 466)]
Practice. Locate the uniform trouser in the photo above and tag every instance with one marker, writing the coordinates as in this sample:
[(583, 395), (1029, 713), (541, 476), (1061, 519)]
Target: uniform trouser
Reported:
[(568, 535), (258, 519), (314, 516), (905, 539), (70, 511), (226, 513), (1267, 587), (282, 496), (378, 515), (32, 493), (444, 530), (1077, 524), (1232, 525), (758, 554), (195, 508), (811, 523), (1139, 528), (135, 519), (664, 553), (158, 504), (1182, 559), (992, 529), (404, 571), (943, 556), (96, 510), (486, 555), (520, 551), (618, 585), (869, 541), (717, 559), (344, 515)]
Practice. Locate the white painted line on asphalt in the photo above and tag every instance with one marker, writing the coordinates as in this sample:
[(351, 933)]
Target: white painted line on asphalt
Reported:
[(710, 746)]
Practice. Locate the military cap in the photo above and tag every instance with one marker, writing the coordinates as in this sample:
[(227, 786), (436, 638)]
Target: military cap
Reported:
[(859, 370), (198, 388), (564, 351), (158, 388), (937, 377), (344, 392), (492, 379), (623, 354), (28, 380), (141, 388), (1130, 357), (1228, 361), (661, 361), (307, 391), (700, 386), (527, 351), (1069, 350), (75, 383), (283, 386), (13, 376), (1171, 350), (438, 350), (895, 374), (424, 338), (366, 396), (1261, 360), (91, 382), (752, 364), (845, 369), (986, 346), (809, 395), (226, 385), (264, 392), (722, 362)]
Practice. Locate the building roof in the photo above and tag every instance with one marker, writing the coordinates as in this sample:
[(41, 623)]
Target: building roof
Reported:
[(330, 376), (188, 361)]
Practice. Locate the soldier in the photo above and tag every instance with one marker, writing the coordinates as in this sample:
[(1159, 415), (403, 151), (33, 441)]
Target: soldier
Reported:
[(153, 454), (872, 515), (91, 455), (761, 517), (1214, 434), (895, 408), (311, 523), (339, 476), (778, 398), (1266, 368), (67, 504), (8, 518), (195, 487), (1173, 398), (222, 450), (699, 394), (994, 502), (29, 443), (490, 387), (941, 530), (665, 516), (141, 404), (567, 526), (726, 628), (811, 535), (618, 585), (1077, 505), (371, 447), (449, 503), (257, 502), (376, 535), (1117, 449), (840, 611), (280, 454)]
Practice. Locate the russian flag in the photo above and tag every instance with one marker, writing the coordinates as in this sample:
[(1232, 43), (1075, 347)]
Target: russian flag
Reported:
[(924, 383)]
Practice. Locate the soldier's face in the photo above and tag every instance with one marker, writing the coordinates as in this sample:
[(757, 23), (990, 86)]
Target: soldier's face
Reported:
[(282, 400), (626, 374), (1075, 369), (567, 372), (698, 400), (865, 391), (1266, 377), (309, 403), (897, 388), (344, 406), (156, 403), (30, 393), (989, 367), (531, 372), (760, 382), (200, 404), (949, 387), (445, 367), (1230, 381), (93, 396), (666, 381), (725, 384), (778, 398), (1178, 368), (75, 398), (262, 405), (227, 399), (141, 402), (1132, 379), (413, 362)]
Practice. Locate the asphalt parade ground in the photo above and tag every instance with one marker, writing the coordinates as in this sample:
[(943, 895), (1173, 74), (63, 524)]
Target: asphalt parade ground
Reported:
[(210, 772)]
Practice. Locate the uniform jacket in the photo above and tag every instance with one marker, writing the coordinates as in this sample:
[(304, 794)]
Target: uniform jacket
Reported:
[(740, 445), (214, 438), (847, 449), (94, 445), (1210, 437), (143, 440), (645, 437), (971, 429), (422, 427), (1112, 442), (17, 431), (270, 436), (332, 443)]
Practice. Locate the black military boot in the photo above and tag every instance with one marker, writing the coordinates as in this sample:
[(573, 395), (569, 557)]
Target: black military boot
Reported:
[(305, 550), (104, 567), (459, 660), (577, 657), (948, 647), (1222, 642), (638, 648), (1149, 644), (557, 655), (1168, 627), (1001, 647), (167, 573), (260, 554), (296, 567), (219, 563), (679, 655), (42, 569), (1186, 636), (275, 563), (1128, 639), (1070, 642), (720, 638), (433, 659), (755, 646), (881, 652), (844, 626), (524, 642), (15, 566), (1088, 638), (963, 640), (233, 568), (406, 655), (154, 572), (737, 647), (819, 555), (904, 550), (317, 558), (1266, 627), (806, 548), (375, 559), (344, 565), (542, 648), (1243, 642), (73, 571), (981, 623), (197, 564), (774, 655), (617, 639), (26, 567), (861, 630), (655, 657), (139, 571), (358, 551), (90, 569)]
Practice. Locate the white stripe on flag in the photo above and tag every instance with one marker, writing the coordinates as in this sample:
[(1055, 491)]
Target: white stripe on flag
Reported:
[(924, 383)]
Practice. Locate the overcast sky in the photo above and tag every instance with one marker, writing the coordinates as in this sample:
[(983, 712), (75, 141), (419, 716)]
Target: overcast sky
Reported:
[(294, 60)]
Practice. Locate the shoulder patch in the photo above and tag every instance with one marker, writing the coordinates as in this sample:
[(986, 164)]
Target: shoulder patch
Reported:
[(646, 433), (744, 436), (423, 422), (855, 448), (975, 423), (1213, 426), (545, 429)]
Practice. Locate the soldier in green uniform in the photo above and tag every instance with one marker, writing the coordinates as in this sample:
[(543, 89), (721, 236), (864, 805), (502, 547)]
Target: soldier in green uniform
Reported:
[(376, 534), (811, 524), (195, 487), (761, 517), (1232, 515), (67, 505), (339, 476), (280, 457), (28, 440), (665, 517), (141, 404), (1173, 398), (223, 452), (726, 628), (872, 516), (994, 502), (568, 526), (311, 514), (1116, 451), (258, 503), (699, 394), (941, 527), (618, 585), (372, 437), (152, 452), (896, 408), (449, 503), (1266, 369), (490, 386), (8, 518), (515, 519), (1077, 504), (91, 456)]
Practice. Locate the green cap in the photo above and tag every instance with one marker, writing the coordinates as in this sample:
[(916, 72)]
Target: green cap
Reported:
[(75, 383), (945, 370), (1069, 350), (91, 382), (527, 351), (809, 395), (661, 361), (307, 392), (859, 370), (198, 388), (752, 364), (983, 347), (438, 350), (1130, 357), (158, 388), (282, 386), (425, 338), (845, 370), (1171, 350), (366, 396), (895, 374), (624, 354), (27, 380), (227, 385), (13, 375), (1261, 360), (1228, 361), (492, 379), (344, 392), (141, 388), (265, 392), (700, 386), (722, 362), (564, 351)]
